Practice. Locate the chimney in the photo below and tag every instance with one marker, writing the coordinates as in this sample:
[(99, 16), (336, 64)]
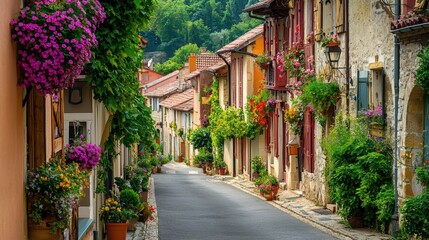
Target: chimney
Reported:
[(192, 62)]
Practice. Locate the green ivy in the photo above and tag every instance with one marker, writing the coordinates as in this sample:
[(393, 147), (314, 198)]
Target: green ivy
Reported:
[(115, 84), (422, 71)]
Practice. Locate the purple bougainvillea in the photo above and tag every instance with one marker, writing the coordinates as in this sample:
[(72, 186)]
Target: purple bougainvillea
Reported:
[(54, 41), (87, 155)]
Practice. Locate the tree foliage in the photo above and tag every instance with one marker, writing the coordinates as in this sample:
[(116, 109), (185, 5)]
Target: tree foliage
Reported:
[(177, 61), (113, 75), (209, 24)]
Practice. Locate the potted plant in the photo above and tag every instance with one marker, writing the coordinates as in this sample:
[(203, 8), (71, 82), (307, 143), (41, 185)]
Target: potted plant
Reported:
[(130, 201), (263, 61), (53, 190), (266, 191), (270, 180), (258, 167), (87, 155), (329, 40), (53, 50), (115, 218), (221, 165)]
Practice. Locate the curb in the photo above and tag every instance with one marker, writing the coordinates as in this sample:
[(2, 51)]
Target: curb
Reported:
[(282, 206)]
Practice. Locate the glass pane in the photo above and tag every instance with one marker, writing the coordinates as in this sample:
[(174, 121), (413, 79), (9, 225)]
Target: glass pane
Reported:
[(76, 129)]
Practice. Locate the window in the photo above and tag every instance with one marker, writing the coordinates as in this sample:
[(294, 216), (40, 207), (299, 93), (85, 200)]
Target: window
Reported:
[(370, 90), (155, 104)]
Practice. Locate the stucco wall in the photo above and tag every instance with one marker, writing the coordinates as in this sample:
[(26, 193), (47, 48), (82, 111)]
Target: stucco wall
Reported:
[(12, 133)]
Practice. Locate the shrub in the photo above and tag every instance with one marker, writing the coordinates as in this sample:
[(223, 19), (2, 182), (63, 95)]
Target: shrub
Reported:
[(203, 156), (258, 165), (130, 200), (201, 138)]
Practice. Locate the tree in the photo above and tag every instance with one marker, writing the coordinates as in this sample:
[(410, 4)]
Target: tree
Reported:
[(178, 60), (198, 33), (170, 21)]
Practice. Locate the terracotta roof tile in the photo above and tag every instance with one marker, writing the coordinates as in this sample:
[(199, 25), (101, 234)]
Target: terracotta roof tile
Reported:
[(258, 5), (170, 75), (244, 39), (186, 106), (205, 60), (178, 98), (164, 90)]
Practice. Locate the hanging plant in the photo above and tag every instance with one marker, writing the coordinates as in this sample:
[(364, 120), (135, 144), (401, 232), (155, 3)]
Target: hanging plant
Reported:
[(54, 41), (320, 97), (294, 116)]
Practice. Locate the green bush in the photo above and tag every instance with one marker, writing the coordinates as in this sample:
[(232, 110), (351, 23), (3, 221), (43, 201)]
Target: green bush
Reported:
[(357, 169), (130, 200), (258, 165), (415, 211), (422, 71), (201, 138), (385, 204), (203, 156), (415, 215)]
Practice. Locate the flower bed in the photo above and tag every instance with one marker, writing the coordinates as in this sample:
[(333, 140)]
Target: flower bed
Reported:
[(54, 41)]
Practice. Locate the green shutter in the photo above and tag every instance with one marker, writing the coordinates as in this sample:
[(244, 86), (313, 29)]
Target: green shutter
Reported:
[(362, 91)]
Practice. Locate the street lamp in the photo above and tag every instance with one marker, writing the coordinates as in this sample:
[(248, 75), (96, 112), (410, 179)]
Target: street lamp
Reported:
[(333, 54)]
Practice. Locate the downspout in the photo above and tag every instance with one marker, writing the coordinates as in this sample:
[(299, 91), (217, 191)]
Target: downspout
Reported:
[(395, 217), (228, 79), (251, 15), (347, 57)]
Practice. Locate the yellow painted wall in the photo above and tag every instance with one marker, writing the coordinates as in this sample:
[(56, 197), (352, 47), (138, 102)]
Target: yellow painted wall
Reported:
[(12, 134), (258, 49)]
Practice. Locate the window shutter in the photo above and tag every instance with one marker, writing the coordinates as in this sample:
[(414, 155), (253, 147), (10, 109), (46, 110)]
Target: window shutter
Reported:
[(318, 20), (339, 11), (268, 136), (276, 132), (410, 4), (362, 91)]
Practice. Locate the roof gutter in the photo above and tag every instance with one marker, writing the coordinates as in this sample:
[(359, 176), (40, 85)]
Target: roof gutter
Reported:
[(251, 15)]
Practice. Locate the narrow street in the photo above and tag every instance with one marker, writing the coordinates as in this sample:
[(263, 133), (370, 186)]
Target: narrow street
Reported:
[(194, 206)]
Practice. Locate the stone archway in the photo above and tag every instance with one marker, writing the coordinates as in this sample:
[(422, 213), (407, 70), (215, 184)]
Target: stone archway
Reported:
[(411, 152)]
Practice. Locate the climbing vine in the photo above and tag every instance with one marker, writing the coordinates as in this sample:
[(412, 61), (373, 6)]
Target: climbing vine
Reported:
[(113, 75)]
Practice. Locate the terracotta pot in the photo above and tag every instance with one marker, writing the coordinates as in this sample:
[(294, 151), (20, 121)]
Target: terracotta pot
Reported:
[(158, 169), (268, 196), (154, 170), (143, 196), (293, 149), (275, 191), (222, 171), (355, 222), (42, 231), (116, 231), (131, 224), (333, 44), (180, 158)]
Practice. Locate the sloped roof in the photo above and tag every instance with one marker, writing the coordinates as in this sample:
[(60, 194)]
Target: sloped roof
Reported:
[(178, 98), (269, 8), (163, 90), (170, 75), (186, 106), (244, 39)]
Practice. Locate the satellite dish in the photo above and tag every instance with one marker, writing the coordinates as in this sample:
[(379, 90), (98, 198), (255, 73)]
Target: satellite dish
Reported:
[(149, 62)]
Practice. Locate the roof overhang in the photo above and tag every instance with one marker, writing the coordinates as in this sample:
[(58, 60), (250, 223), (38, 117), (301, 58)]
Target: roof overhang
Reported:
[(269, 8)]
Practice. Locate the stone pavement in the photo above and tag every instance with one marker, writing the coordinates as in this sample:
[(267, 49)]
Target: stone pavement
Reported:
[(148, 230), (305, 210)]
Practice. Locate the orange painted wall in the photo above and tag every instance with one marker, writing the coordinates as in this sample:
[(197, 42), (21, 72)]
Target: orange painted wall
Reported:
[(259, 75), (12, 134)]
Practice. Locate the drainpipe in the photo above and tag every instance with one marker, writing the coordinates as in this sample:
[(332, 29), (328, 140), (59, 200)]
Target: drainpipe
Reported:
[(228, 79), (395, 216), (347, 57)]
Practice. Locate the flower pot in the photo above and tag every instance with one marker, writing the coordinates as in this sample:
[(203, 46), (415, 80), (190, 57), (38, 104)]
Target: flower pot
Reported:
[(154, 170), (131, 224), (116, 231), (158, 169), (143, 196), (293, 149), (376, 130), (180, 158), (222, 171), (42, 231), (268, 196), (275, 191), (203, 166), (355, 222), (333, 44)]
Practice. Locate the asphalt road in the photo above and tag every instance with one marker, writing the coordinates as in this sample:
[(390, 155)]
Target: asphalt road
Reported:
[(194, 206)]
